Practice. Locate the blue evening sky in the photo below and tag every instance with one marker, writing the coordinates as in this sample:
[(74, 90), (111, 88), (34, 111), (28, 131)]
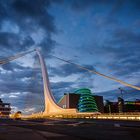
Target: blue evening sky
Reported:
[(103, 35)]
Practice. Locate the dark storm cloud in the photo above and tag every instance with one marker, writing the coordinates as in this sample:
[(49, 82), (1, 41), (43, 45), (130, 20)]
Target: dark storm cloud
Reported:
[(27, 42), (11, 67), (125, 36), (3, 10), (59, 88), (68, 69), (123, 46), (14, 82), (116, 5), (13, 42), (16, 78), (28, 16), (47, 45), (37, 11), (30, 8), (80, 5), (15, 67), (127, 53), (119, 5), (6, 39), (126, 66), (136, 4)]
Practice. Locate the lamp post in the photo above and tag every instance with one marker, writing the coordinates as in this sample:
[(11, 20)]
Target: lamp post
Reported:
[(121, 90)]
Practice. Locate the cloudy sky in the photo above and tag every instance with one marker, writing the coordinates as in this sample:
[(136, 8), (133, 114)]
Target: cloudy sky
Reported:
[(103, 35)]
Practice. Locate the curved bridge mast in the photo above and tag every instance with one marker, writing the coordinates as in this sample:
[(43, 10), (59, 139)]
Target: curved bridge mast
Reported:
[(50, 105)]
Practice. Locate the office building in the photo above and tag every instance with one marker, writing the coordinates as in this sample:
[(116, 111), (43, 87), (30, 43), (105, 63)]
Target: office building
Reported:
[(71, 100), (4, 109)]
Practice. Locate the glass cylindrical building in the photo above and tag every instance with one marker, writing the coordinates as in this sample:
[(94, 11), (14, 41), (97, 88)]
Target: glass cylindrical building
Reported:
[(86, 101)]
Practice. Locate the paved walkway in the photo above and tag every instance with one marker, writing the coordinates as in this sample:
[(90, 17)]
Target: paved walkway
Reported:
[(16, 133)]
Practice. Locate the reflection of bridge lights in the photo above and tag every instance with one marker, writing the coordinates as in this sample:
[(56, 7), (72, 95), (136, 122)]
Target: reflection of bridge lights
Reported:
[(87, 116), (132, 118), (123, 117)]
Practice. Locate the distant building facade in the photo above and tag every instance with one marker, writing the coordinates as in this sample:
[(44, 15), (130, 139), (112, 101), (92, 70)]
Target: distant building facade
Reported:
[(99, 102), (4, 109), (122, 106), (71, 100), (132, 106), (111, 107)]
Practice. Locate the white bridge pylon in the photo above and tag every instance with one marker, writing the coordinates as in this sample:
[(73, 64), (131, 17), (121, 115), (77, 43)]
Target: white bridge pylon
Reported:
[(51, 106)]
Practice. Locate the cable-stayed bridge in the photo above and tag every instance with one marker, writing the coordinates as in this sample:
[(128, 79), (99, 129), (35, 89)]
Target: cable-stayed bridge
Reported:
[(51, 107)]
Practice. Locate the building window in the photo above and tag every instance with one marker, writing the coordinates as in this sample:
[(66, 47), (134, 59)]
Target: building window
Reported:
[(64, 106)]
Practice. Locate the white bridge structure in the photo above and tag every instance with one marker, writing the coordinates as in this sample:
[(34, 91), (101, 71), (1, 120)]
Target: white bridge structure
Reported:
[(51, 107)]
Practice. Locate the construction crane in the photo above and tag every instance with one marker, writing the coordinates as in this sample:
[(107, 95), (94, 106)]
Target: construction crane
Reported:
[(122, 91)]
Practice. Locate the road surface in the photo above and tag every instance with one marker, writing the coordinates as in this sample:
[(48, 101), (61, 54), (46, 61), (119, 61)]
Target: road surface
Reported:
[(69, 130)]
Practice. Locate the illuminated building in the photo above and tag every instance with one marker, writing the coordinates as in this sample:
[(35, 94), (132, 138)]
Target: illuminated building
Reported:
[(132, 106), (4, 109), (70, 100), (86, 101), (122, 106)]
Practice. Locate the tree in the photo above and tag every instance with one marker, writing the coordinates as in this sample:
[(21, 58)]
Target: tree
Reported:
[(17, 115)]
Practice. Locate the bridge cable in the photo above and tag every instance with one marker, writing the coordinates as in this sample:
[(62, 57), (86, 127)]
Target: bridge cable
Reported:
[(7, 60), (98, 73)]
